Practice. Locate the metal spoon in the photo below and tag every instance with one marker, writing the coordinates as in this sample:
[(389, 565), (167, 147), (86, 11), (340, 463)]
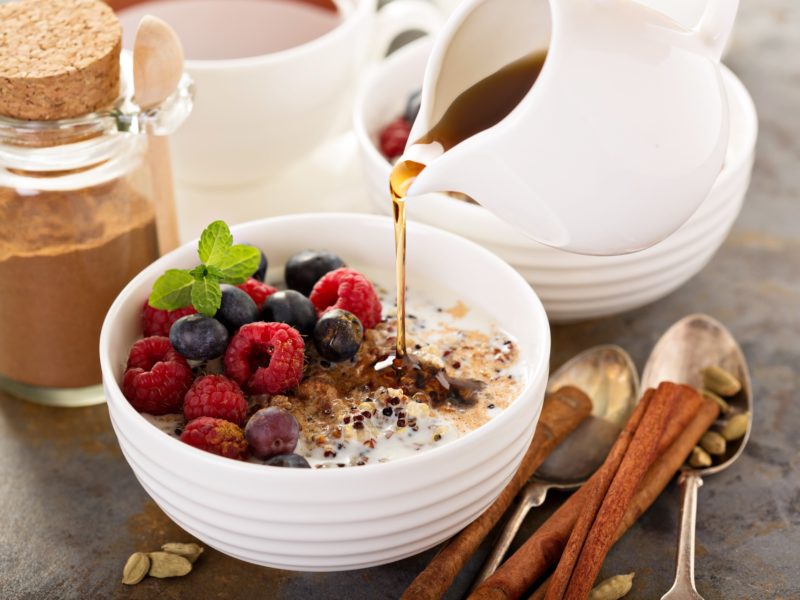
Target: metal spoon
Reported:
[(691, 344), (608, 376)]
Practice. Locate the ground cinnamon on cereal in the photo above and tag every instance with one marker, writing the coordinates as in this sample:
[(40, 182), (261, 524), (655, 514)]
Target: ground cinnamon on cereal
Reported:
[(339, 403)]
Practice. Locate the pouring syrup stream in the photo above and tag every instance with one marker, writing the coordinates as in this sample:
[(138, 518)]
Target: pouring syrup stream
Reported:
[(481, 106), (476, 109), (400, 180), (403, 366)]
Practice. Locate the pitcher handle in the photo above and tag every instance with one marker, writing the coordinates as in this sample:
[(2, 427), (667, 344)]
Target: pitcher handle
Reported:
[(716, 24)]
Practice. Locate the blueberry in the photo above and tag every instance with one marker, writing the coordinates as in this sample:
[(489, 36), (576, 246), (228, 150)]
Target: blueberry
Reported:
[(412, 107), (272, 431), (237, 308), (261, 271), (292, 308), (293, 461), (198, 337), (338, 334), (305, 268)]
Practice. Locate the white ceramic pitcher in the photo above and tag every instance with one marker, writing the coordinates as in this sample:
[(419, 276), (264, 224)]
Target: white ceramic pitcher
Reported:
[(618, 141)]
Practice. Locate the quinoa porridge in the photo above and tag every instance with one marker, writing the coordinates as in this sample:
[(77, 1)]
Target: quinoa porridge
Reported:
[(351, 414)]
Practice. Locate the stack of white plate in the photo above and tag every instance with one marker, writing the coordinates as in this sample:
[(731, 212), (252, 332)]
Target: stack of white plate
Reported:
[(571, 286)]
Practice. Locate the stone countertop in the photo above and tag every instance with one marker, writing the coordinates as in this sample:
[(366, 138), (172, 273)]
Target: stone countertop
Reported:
[(72, 511)]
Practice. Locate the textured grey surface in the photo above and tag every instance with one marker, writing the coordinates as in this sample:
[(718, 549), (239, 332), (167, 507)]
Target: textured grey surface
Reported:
[(71, 511)]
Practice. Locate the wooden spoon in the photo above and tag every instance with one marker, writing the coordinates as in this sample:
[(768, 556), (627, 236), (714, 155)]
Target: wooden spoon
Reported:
[(157, 69)]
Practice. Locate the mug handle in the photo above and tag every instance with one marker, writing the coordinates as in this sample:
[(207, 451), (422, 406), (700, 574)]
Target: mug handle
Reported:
[(399, 16), (716, 24)]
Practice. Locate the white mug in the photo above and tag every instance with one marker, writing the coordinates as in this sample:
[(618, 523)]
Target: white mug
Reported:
[(254, 116)]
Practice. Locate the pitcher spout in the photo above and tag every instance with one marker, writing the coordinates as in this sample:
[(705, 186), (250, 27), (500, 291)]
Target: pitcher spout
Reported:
[(443, 171), (424, 154), (473, 169)]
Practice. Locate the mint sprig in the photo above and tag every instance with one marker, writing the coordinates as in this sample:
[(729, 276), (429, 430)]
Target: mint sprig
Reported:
[(221, 261)]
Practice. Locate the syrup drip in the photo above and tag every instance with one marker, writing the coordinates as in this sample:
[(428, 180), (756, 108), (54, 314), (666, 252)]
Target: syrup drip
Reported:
[(407, 371), (400, 180)]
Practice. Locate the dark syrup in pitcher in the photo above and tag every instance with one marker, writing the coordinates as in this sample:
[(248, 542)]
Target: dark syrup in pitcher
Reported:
[(477, 108)]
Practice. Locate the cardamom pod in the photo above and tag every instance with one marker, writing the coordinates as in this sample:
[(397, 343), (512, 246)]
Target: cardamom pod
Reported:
[(188, 551), (699, 458), (720, 381), (713, 443), (724, 407), (613, 588), (736, 426), (136, 568), (164, 564)]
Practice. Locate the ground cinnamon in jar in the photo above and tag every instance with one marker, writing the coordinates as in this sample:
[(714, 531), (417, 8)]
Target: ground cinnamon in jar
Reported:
[(64, 256), (76, 221)]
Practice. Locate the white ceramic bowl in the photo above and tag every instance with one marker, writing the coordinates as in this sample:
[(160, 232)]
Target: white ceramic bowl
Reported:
[(571, 286), (329, 520)]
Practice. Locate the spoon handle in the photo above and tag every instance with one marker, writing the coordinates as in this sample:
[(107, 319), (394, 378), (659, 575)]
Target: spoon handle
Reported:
[(158, 158), (533, 495), (683, 588)]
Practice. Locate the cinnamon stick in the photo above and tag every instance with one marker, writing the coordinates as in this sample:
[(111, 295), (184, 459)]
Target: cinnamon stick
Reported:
[(562, 412), (661, 472), (545, 546), (642, 452), (597, 488), (540, 592), (535, 556)]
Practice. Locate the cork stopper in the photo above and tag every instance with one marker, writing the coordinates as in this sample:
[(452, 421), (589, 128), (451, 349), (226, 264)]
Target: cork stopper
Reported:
[(58, 58)]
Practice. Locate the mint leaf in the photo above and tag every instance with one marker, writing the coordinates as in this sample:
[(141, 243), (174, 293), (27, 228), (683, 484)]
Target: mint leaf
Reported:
[(199, 272), (239, 263), (215, 272), (215, 241), (206, 295), (172, 290), (203, 271)]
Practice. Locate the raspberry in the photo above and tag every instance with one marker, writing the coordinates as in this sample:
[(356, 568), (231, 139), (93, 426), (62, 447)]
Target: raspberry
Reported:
[(157, 377), (215, 396), (157, 322), (394, 138), (257, 290), (266, 358), (217, 436), (351, 291)]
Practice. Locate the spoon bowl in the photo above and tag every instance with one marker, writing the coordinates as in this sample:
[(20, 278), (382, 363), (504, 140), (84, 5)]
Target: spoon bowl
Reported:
[(157, 62), (691, 344), (695, 342), (608, 376)]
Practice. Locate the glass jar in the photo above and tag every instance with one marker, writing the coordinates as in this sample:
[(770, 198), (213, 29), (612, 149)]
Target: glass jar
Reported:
[(77, 224)]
